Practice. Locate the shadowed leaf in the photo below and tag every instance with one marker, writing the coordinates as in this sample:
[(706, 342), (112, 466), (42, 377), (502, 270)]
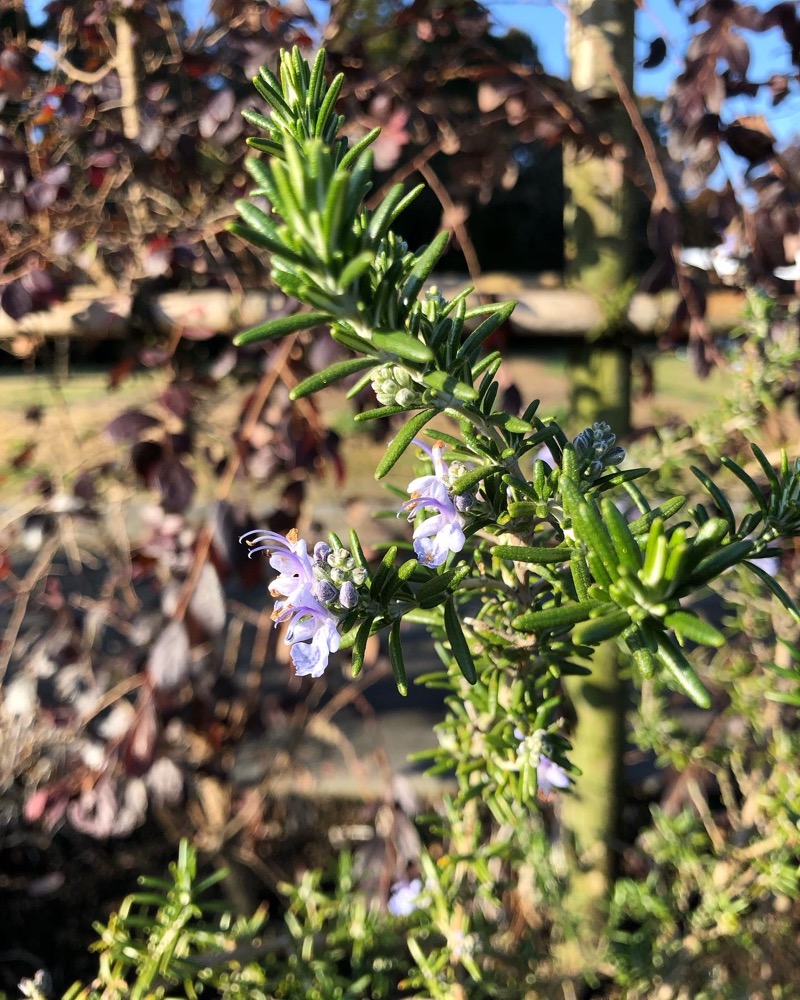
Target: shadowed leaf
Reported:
[(656, 55)]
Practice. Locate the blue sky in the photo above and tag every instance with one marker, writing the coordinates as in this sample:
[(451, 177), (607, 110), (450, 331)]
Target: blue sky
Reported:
[(547, 25)]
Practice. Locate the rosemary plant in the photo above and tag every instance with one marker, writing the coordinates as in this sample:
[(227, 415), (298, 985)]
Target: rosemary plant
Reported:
[(529, 550), (523, 558)]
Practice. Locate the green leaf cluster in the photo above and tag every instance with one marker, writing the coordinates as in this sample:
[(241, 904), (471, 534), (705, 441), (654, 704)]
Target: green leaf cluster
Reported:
[(171, 941), (343, 261)]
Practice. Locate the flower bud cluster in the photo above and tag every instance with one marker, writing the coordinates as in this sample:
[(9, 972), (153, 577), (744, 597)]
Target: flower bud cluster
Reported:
[(337, 578), (392, 248), (394, 386), (463, 501), (597, 449), (531, 746), (433, 303)]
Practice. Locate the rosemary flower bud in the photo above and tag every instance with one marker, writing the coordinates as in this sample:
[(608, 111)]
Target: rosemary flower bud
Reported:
[(321, 552), (324, 591), (348, 595)]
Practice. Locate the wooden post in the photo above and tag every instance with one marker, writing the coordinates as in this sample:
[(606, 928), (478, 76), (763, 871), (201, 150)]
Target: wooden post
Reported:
[(598, 228)]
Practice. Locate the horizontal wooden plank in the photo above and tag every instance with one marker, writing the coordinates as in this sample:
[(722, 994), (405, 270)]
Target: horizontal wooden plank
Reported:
[(544, 309), (548, 309)]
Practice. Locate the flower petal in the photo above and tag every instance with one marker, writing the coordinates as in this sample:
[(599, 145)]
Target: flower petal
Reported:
[(309, 660), (430, 551), (428, 486), (550, 775)]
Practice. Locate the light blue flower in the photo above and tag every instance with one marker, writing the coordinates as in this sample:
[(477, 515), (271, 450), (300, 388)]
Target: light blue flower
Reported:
[(405, 897), (435, 537), (294, 591)]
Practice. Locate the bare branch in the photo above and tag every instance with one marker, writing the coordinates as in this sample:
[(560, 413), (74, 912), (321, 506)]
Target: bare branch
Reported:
[(66, 67), (125, 61), (452, 214)]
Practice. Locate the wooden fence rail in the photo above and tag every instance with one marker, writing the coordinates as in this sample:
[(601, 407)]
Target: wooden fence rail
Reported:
[(90, 313)]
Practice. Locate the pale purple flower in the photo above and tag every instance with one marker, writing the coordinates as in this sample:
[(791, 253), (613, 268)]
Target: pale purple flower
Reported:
[(436, 536), (546, 455), (294, 589), (435, 484), (550, 775), (405, 897), (770, 564), (289, 553), (311, 658)]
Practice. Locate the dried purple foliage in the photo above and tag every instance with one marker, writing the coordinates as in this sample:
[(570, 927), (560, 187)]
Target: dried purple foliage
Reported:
[(175, 484), (130, 426), (81, 147)]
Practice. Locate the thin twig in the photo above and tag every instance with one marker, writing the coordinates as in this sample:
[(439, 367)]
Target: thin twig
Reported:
[(404, 172), (459, 229), (700, 804), (66, 67), (118, 691), (39, 569), (125, 63)]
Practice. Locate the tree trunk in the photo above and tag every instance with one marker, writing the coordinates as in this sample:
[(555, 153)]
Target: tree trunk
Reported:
[(597, 218), (600, 383), (598, 228), (590, 814)]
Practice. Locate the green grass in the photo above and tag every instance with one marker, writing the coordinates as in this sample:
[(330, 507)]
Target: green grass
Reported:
[(75, 414), (69, 435), (21, 390), (676, 383)]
